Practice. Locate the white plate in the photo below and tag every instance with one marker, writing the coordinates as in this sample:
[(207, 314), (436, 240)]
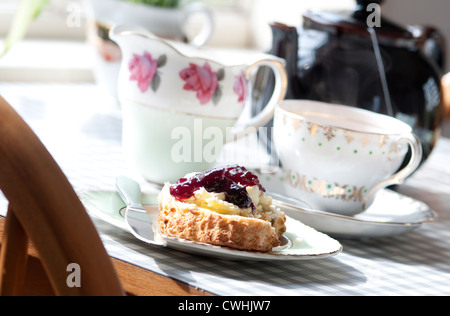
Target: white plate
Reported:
[(300, 242), (390, 214)]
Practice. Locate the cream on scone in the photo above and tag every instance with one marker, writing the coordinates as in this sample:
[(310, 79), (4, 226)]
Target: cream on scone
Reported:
[(224, 207)]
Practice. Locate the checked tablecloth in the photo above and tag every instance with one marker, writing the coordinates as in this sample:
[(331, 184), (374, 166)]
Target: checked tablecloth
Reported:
[(82, 129)]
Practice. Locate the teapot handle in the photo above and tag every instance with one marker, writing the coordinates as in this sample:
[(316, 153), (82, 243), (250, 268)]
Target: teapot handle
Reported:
[(250, 125), (432, 43)]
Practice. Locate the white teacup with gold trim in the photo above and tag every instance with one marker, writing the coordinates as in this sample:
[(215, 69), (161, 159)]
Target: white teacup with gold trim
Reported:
[(336, 158)]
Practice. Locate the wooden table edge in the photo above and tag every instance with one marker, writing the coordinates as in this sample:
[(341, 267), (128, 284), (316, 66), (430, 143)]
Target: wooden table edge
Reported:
[(135, 281)]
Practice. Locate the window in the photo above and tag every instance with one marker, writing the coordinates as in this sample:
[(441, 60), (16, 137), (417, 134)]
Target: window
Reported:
[(7, 9), (51, 24), (242, 23), (58, 41)]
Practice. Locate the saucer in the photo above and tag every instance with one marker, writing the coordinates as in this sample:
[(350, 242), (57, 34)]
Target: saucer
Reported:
[(390, 214), (300, 242)]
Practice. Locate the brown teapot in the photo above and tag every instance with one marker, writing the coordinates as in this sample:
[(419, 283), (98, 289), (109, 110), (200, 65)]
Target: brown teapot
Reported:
[(335, 57)]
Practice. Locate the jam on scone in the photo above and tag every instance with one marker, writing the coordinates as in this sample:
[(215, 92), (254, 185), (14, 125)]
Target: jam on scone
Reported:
[(224, 206)]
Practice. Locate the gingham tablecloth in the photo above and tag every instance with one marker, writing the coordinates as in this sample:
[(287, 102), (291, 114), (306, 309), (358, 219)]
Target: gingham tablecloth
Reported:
[(81, 127)]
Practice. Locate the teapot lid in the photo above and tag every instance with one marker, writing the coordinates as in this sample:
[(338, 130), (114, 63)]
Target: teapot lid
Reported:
[(356, 22)]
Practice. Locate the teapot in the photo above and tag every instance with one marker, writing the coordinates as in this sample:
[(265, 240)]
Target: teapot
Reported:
[(336, 58)]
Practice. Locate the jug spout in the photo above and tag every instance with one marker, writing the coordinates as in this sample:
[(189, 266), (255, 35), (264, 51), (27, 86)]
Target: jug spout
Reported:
[(285, 45)]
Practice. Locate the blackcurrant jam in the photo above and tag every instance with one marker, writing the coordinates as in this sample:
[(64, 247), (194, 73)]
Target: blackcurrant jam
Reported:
[(231, 180)]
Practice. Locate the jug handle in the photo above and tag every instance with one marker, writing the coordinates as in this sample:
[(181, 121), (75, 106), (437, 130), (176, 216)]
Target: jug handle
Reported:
[(281, 83)]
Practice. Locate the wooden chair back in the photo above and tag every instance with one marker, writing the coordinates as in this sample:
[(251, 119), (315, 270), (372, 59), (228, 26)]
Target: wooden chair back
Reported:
[(44, 209)]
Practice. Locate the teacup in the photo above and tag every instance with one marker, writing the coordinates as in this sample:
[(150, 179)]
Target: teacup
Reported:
[(182, 104), (336, 158)]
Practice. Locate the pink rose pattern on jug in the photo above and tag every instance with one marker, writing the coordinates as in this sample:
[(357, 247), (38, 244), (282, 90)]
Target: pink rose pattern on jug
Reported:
[(240, 87), (204, 81), (144, 70), (199, 79)]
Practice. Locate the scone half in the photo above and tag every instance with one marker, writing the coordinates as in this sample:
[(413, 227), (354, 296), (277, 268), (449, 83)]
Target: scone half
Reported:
[(208, 218), (193, 223)]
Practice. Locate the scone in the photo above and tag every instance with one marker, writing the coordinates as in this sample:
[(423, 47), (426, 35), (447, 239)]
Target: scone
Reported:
[(223, 207)]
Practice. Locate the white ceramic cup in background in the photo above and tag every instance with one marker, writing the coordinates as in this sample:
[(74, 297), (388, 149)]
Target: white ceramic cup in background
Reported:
[(181, 104), (168, 23), (336, 158)]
